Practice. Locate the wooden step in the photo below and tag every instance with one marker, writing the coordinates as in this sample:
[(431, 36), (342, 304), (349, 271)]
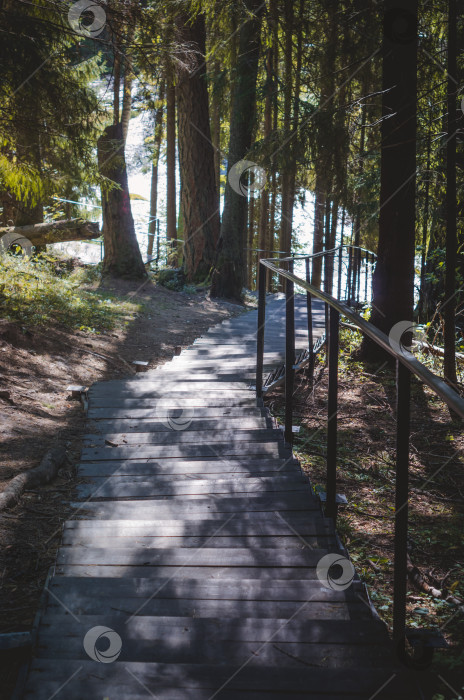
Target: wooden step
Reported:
[(215, 449), (213, 466), (176, 435), (202, 508), (137, 680), (113, 488), (207, 556), (153, 425), (225, 527), (174, 400), (110, 412)]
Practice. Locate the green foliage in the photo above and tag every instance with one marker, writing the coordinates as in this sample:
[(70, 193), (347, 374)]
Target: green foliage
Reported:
[(173, 279), (43, 291)]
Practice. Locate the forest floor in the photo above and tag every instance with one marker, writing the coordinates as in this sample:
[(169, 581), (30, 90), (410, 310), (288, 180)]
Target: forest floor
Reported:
[(366, 475), (37, 364)]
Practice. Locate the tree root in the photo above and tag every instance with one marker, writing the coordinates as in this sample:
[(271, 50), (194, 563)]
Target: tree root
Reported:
[(43, 474)]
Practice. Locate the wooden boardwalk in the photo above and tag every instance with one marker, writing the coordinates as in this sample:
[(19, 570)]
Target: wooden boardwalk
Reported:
[(191, 566)]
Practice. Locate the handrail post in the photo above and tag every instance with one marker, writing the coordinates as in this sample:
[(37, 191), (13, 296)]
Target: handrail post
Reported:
[(260, 332), (403, 397), (332, 409), (358, 291), (340, 257), (310, 323), (289, 356), (366, 268), (349, 274)]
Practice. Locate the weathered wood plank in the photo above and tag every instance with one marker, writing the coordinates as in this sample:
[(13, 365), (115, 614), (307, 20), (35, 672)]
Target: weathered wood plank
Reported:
[(180, 587), (225, 527), (201, 507), (270, 449), (98, 539), (186, 467), (207, 572), (257, 630), (207, 556), (175, 400), (115, 681), (114, 489), (333, 610), (151, 425), (176, 435), (111, 412)]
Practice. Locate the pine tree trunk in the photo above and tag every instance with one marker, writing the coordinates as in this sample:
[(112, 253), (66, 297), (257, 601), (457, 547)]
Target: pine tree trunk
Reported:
[(122, 254), (229, 275), (393, 281), (171, 218), (263, 232), (126, 102), (286, 222), (200, 207), (158, 134), (318, 238), (449, 307)]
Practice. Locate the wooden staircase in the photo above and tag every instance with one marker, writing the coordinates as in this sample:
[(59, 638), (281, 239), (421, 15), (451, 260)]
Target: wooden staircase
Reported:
[(195, 542)]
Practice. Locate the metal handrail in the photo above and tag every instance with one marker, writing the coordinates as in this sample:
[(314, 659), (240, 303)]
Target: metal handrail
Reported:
[(406, 366), (449, 396)]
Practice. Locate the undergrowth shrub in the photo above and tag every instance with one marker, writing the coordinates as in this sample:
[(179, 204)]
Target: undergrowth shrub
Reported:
[(43, 290)]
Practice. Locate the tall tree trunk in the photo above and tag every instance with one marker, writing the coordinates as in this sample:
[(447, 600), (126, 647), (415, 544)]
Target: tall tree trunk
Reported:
[(393, 283), (126, 102), (449, 310), (216, 132), (422, 314), (287, 193), (196, 154), (158, 134), (116, 82), (318, 237), (263, 233), (122, 253), (229, 274), (171, 218)]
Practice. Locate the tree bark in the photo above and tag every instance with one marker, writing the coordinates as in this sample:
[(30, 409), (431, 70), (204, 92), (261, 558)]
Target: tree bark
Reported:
[(199, 199), (286, 222), (158, 134), (263, 233), (318, 238), (229, 275), (171, 223), (122, 254), (393, 282), (449, 306)]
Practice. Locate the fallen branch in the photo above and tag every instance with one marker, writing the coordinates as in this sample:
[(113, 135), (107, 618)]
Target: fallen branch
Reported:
[(417, 579), (53, 232), (43, 474)]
